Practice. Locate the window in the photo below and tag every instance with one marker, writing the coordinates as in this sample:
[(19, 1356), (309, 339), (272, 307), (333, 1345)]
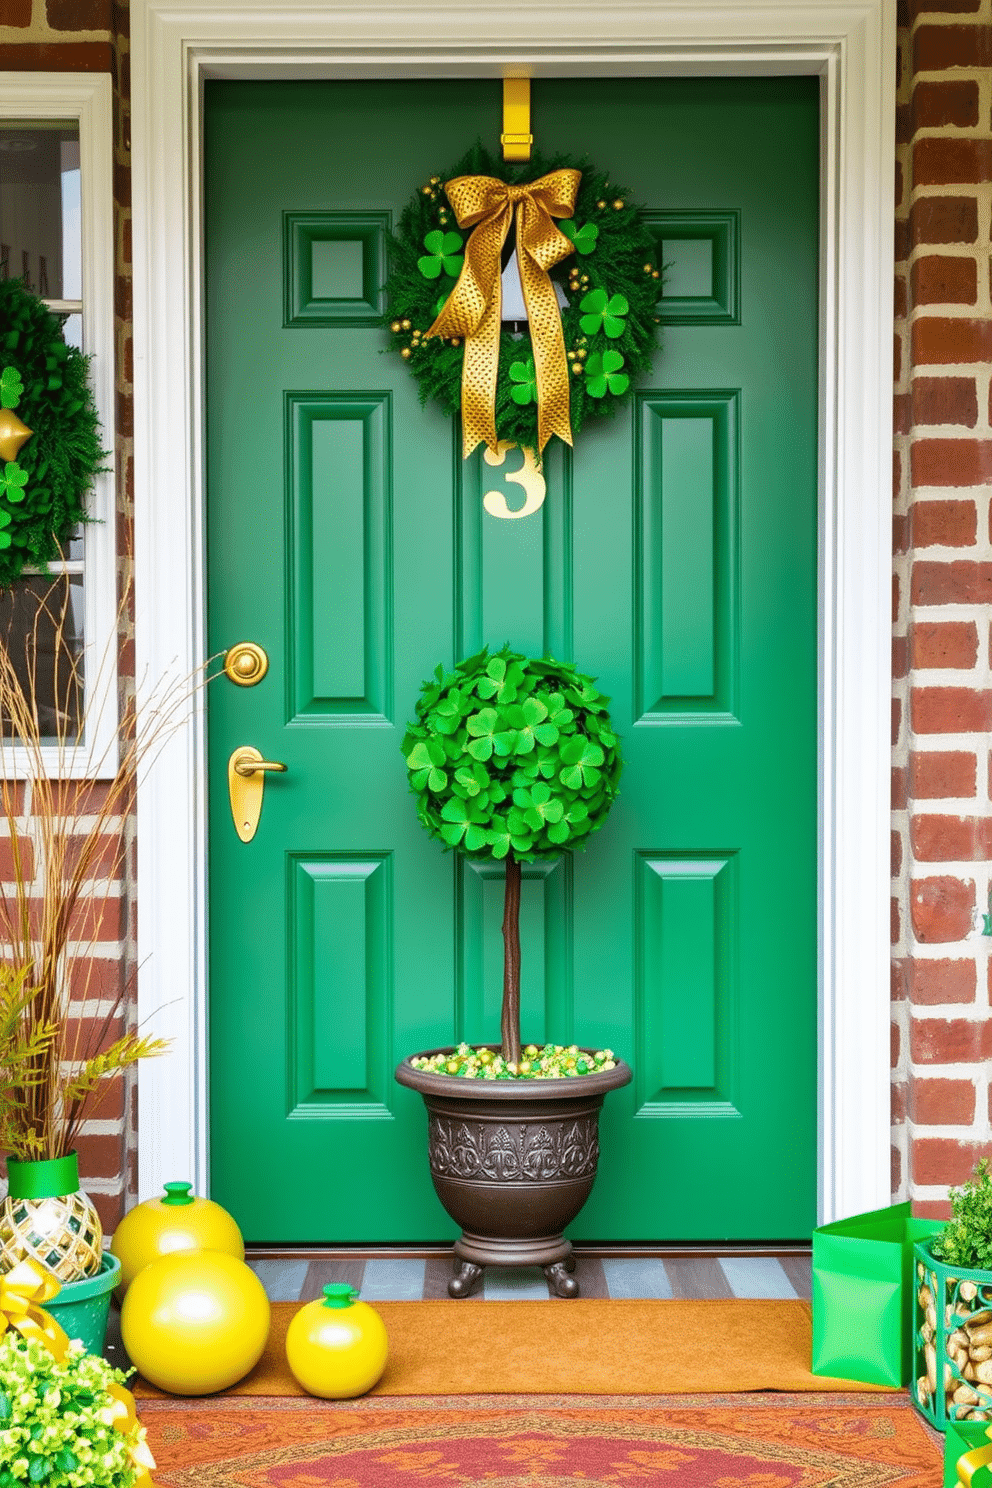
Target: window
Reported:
[(56, 232)]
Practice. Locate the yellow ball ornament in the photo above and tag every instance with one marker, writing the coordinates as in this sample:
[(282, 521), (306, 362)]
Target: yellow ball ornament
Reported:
[(195, 1321), (337, 1348), (176, 1221)]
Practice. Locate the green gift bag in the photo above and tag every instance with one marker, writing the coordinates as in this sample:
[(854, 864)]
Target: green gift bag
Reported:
[(962, 1437), (862, 1294)]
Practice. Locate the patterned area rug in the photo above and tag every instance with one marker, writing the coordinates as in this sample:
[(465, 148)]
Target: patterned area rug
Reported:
[(544, 1441)]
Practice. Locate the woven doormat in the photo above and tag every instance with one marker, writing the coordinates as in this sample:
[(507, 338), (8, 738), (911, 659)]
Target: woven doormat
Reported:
[(739, 1441), (578, 1347)]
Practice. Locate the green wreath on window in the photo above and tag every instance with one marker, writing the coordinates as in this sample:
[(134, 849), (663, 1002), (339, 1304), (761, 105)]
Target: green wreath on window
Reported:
[(611, 284), (47, 472)]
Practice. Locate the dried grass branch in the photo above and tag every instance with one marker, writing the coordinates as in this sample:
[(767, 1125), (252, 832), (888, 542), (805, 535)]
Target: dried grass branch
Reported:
[(66, 831)]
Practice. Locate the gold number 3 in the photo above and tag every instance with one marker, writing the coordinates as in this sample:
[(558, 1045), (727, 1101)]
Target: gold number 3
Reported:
[(529, 476)]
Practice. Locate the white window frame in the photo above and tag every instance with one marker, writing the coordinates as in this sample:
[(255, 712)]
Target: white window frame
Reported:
[(87, 99), (851, 46)]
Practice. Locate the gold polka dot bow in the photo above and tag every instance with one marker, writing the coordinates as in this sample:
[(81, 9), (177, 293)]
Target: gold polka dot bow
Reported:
[(473, 310)]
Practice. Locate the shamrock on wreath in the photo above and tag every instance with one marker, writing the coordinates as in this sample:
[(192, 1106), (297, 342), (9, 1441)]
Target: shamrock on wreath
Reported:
[(606, 280)]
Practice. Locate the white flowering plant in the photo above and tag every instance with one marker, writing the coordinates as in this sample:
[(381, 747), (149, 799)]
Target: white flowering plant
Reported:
[(57, 1419)]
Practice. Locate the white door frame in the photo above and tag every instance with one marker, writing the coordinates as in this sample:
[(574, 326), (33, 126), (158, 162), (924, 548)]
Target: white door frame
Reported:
[(851, 46)]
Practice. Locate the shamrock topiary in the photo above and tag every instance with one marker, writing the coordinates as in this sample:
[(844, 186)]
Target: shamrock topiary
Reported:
[(512, 759)]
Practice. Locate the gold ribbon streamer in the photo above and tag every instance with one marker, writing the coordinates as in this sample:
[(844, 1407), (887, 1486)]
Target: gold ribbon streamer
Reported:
[(22, 1292), (473, 310), (970, 1463)]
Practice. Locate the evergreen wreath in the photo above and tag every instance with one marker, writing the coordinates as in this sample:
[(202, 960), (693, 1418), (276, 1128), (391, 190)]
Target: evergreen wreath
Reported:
[(43, 490), (612, 284)]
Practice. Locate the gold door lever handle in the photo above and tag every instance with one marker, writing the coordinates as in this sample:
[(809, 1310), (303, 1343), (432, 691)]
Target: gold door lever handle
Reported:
[(246, 764), (245, 782)]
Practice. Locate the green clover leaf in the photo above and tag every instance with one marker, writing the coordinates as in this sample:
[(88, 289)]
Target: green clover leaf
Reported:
[(524, 375), (503, 836), (13, 481), (604, 313), (471, 780), (11, 387), (489, 736), (583, 239), (603, 374), (447, 716), (526, 721), (559, 715), (586, 697), (443, 255), (440, 303), (424, 761), (538, 805), (461, 819), (500, 681), (581, 758)]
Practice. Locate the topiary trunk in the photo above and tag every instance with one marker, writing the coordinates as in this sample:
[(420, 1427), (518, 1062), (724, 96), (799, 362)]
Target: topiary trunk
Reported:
[(510, 1023)]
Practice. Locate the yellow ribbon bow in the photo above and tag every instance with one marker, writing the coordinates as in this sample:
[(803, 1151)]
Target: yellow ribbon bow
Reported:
[(473, 310), (22, 1292)]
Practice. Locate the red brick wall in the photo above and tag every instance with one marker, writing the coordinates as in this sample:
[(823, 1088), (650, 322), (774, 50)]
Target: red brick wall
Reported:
[(942, 621), (942, 663), (92, 36)]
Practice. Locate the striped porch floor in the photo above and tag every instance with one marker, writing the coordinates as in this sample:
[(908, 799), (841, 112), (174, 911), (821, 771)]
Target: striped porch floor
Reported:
[(414, 1278)]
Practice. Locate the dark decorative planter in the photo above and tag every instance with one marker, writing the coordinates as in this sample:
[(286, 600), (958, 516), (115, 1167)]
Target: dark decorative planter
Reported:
[(513, 1162)]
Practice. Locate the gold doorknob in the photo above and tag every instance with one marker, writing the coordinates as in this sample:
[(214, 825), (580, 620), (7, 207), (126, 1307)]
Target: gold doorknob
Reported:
[(246, 664), (245, 783)]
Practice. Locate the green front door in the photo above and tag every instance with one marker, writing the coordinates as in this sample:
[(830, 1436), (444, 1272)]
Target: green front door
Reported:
[(674, 558)]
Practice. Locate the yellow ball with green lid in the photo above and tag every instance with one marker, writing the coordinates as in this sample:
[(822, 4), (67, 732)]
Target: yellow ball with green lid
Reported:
[(177, 1220), (337, 1348)]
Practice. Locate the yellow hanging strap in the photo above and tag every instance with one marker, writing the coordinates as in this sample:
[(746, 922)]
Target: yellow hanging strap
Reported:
[(516, 138)]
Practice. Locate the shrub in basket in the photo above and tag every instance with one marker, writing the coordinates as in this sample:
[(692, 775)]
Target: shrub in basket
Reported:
[(952, 1336)]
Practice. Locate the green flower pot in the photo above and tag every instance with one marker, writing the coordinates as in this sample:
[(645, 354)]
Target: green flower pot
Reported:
[(82, 1307)]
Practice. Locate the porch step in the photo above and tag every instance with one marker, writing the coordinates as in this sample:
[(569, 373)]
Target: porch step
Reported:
[(411, 1277)]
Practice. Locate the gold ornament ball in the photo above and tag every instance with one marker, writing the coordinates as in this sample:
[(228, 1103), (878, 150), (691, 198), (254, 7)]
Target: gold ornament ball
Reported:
[(337, 1348), (406, 353), (601, 205), (396, 327), (195, 1322), (13, 434), (618, 205), (174, 1222)]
